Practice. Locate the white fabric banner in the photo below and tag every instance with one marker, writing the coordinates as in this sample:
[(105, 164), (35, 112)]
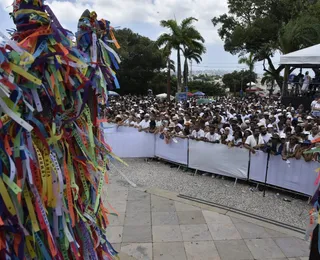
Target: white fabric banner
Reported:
[(298, 176), (219, 159), (131, 145), (258, 164), (174, 152)]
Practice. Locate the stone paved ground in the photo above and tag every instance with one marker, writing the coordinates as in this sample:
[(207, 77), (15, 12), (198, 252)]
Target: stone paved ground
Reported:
[(151, 226)]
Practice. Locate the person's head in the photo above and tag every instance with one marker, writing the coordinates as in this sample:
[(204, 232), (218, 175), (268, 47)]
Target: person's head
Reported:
[(283, 138), (307, 73), (247, 133), (146, 117), (288, 131), (315, 130), (270, 129), (275, 139), (298, 130), (256, 132), (211, 129), (263, 130), (237, 134), (293, 139), (197, 127), (178, 128), (227, 131)]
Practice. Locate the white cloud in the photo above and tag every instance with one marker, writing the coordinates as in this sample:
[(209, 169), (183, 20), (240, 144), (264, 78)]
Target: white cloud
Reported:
[(145, 11)]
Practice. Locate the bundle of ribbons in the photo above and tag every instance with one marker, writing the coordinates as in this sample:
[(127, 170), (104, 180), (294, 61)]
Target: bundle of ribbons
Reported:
[(53, 160)]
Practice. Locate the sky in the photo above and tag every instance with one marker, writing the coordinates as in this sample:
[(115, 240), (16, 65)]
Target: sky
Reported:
[(143, 17)]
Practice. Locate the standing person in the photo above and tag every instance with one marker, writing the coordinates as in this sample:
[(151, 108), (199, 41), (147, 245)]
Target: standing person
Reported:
[(197, 133), (213, 136), (315, 107), (306, 83), (254, 141), (144, 125), (290, 148)]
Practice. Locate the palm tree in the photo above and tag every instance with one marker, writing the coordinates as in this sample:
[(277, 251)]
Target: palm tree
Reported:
[(166, 51), (180, 35), (268, 79), (190, 54), (249, 61)]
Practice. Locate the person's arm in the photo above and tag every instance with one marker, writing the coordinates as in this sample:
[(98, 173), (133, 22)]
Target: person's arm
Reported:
[(284, 152)]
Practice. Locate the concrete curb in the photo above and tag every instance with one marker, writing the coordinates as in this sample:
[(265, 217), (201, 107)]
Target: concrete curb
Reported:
[(174, 196)]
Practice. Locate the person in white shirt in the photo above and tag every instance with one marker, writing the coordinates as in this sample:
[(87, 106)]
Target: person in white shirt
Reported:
[(306, 82), (254, 142), (228, 134), (197, 133), (145, 123), (212, 136), (265, 135), (315, 107), (314, 133)]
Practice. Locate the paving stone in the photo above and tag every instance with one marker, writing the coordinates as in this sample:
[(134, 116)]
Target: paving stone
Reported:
[(214, 217), (233, 250), (238, 220), (112, 195), (138, 195), (115, 220), (202, 250), (140, 251), (223, 231), (164, 218), (114, 234), (249, 230), (169, 251), (137, 234), (293, 247), (299, 258), (138, 205), (118, 205), (137, 218), (195, 232), (191, 217), (159, 204), (264, 248), (274, 233), (184, 207), (166, 233), (124, 256)]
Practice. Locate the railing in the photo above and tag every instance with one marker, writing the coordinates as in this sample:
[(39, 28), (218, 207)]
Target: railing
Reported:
[(298, 175)]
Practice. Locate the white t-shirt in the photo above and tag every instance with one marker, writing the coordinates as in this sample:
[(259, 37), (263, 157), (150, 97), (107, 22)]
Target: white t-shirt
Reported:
[(266, 138), (238, 141), (144, 124), (252, 142), (198, 134), (213, 138)]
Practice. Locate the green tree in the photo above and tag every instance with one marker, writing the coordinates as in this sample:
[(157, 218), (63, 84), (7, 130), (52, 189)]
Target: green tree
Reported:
[(184, 34), (238, 80), (210, 89), (142, 61), (258, 27), (190, 54), (249, 61)]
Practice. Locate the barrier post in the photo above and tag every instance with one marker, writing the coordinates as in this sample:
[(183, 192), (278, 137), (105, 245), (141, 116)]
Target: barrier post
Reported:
[(266, 175)]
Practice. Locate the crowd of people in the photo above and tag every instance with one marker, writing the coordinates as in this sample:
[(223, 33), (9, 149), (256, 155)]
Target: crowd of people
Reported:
[(254, 123)]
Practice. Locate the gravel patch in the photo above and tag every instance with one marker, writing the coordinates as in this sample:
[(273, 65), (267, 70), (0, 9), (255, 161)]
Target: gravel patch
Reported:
[(160, 175)]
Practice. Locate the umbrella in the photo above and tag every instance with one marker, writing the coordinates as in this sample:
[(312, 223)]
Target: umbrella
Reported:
[(163, 96), (112, 93), (189, 94), (199, 93)]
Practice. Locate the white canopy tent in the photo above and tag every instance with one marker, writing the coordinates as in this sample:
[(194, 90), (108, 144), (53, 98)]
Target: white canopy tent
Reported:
[(308, 57)]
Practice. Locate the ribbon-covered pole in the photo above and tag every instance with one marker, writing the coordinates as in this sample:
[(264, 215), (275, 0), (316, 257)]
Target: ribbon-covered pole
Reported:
[(53, 165)]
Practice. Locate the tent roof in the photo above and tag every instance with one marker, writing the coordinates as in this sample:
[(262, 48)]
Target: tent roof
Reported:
[(308, 57)]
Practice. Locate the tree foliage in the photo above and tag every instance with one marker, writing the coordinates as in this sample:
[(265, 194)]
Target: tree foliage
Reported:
[(237, 79), (142, 62), (263, 27), (209, 88), (181, 36)]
